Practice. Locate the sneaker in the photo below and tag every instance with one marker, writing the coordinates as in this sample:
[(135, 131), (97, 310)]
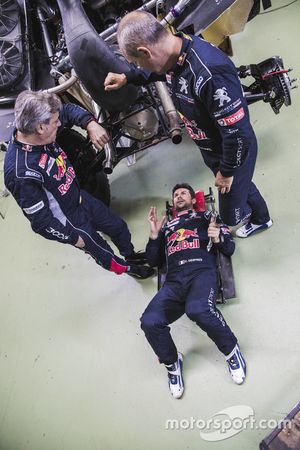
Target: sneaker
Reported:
[(236, 365), (176, 384), (250, 228)]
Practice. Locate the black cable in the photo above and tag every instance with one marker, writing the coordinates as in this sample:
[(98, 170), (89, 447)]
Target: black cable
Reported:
[(279, 7)]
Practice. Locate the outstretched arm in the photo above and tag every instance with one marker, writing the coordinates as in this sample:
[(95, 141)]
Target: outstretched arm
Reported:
[(71, 114), (136, 76)]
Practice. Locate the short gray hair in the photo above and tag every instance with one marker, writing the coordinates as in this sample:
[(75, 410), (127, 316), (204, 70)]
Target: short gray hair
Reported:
[(33, 108), (138, 28)]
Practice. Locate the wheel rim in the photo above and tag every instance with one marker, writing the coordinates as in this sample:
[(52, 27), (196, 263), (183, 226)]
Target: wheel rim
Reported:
[(10, 63), (9, 16)]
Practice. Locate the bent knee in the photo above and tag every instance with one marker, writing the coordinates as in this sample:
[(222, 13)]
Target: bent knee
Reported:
[(201, 316), (150, 320)]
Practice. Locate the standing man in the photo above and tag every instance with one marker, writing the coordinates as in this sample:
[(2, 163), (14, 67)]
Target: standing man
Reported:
[(40, 177), (209, 98), (191, 285)]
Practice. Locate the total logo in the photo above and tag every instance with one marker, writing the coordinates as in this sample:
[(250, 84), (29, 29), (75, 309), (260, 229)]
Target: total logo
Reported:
[(233, 118), (177, 241)]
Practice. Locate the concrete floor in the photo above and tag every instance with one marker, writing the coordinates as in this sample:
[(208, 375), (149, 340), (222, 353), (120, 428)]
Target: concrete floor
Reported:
[(76, 370)]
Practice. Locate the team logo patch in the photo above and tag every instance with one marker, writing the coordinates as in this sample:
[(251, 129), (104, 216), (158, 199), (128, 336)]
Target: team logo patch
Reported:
[(61, 166), (222, 96), (169, 78), (232, 119), (198, 84), (228, 108), (34, 208), (183, 85), (70, 175), (27, 147), (181, 59), (225, 229), (50, 165), (191, 127), (33, 174), (43, 160), (179, 240)]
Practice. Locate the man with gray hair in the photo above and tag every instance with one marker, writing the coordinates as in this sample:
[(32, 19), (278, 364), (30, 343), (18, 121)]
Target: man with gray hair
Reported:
[(40, 177), (208, 96)]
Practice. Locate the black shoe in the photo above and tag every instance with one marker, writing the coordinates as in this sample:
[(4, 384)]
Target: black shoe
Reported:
[(140, 272), (136, 258)]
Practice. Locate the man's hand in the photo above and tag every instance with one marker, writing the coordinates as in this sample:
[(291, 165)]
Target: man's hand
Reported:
[(114, 81), (155, 224), (80, 243), (213, 232), (223, 183), (97, 134)]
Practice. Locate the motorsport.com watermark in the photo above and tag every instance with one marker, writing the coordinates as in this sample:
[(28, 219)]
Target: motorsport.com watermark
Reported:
[(226, 423)]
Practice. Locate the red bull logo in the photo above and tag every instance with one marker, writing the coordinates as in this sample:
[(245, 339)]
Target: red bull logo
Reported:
[(180, 237), (70, 175), (191, 127), (61, 166)]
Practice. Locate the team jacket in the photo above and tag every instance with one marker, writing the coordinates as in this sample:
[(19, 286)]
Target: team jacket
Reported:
[(183, 242), (208, 96), (44, 183)]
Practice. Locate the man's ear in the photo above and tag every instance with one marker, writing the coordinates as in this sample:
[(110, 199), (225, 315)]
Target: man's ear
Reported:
[(144, 52), (194, 201), (40, 128)]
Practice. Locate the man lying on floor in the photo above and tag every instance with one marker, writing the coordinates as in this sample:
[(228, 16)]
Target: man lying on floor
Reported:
[(191, 285)]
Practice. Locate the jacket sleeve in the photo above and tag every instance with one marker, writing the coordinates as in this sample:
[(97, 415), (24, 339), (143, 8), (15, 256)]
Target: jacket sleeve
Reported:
[(155, 253), (34, 202), (222, 95), (140, 77), (71, 114)]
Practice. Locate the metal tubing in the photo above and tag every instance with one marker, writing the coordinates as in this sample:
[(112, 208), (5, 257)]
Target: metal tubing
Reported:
[(109, 147), (170, 111), (64, 86), (174, 12), (45, 34)]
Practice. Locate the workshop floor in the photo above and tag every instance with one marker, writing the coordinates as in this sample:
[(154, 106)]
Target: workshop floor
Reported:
[(76, 372)]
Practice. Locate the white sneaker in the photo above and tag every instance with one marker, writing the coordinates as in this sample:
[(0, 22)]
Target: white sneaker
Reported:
[(250, 228), (236, 365), (176, 384)]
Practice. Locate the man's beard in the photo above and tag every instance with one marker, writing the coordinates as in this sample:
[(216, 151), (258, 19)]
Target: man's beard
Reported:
[(184, 207)]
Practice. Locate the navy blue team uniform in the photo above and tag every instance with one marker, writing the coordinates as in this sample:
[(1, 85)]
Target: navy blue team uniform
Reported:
[(44, 184), (208, 96), (191, 285)]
